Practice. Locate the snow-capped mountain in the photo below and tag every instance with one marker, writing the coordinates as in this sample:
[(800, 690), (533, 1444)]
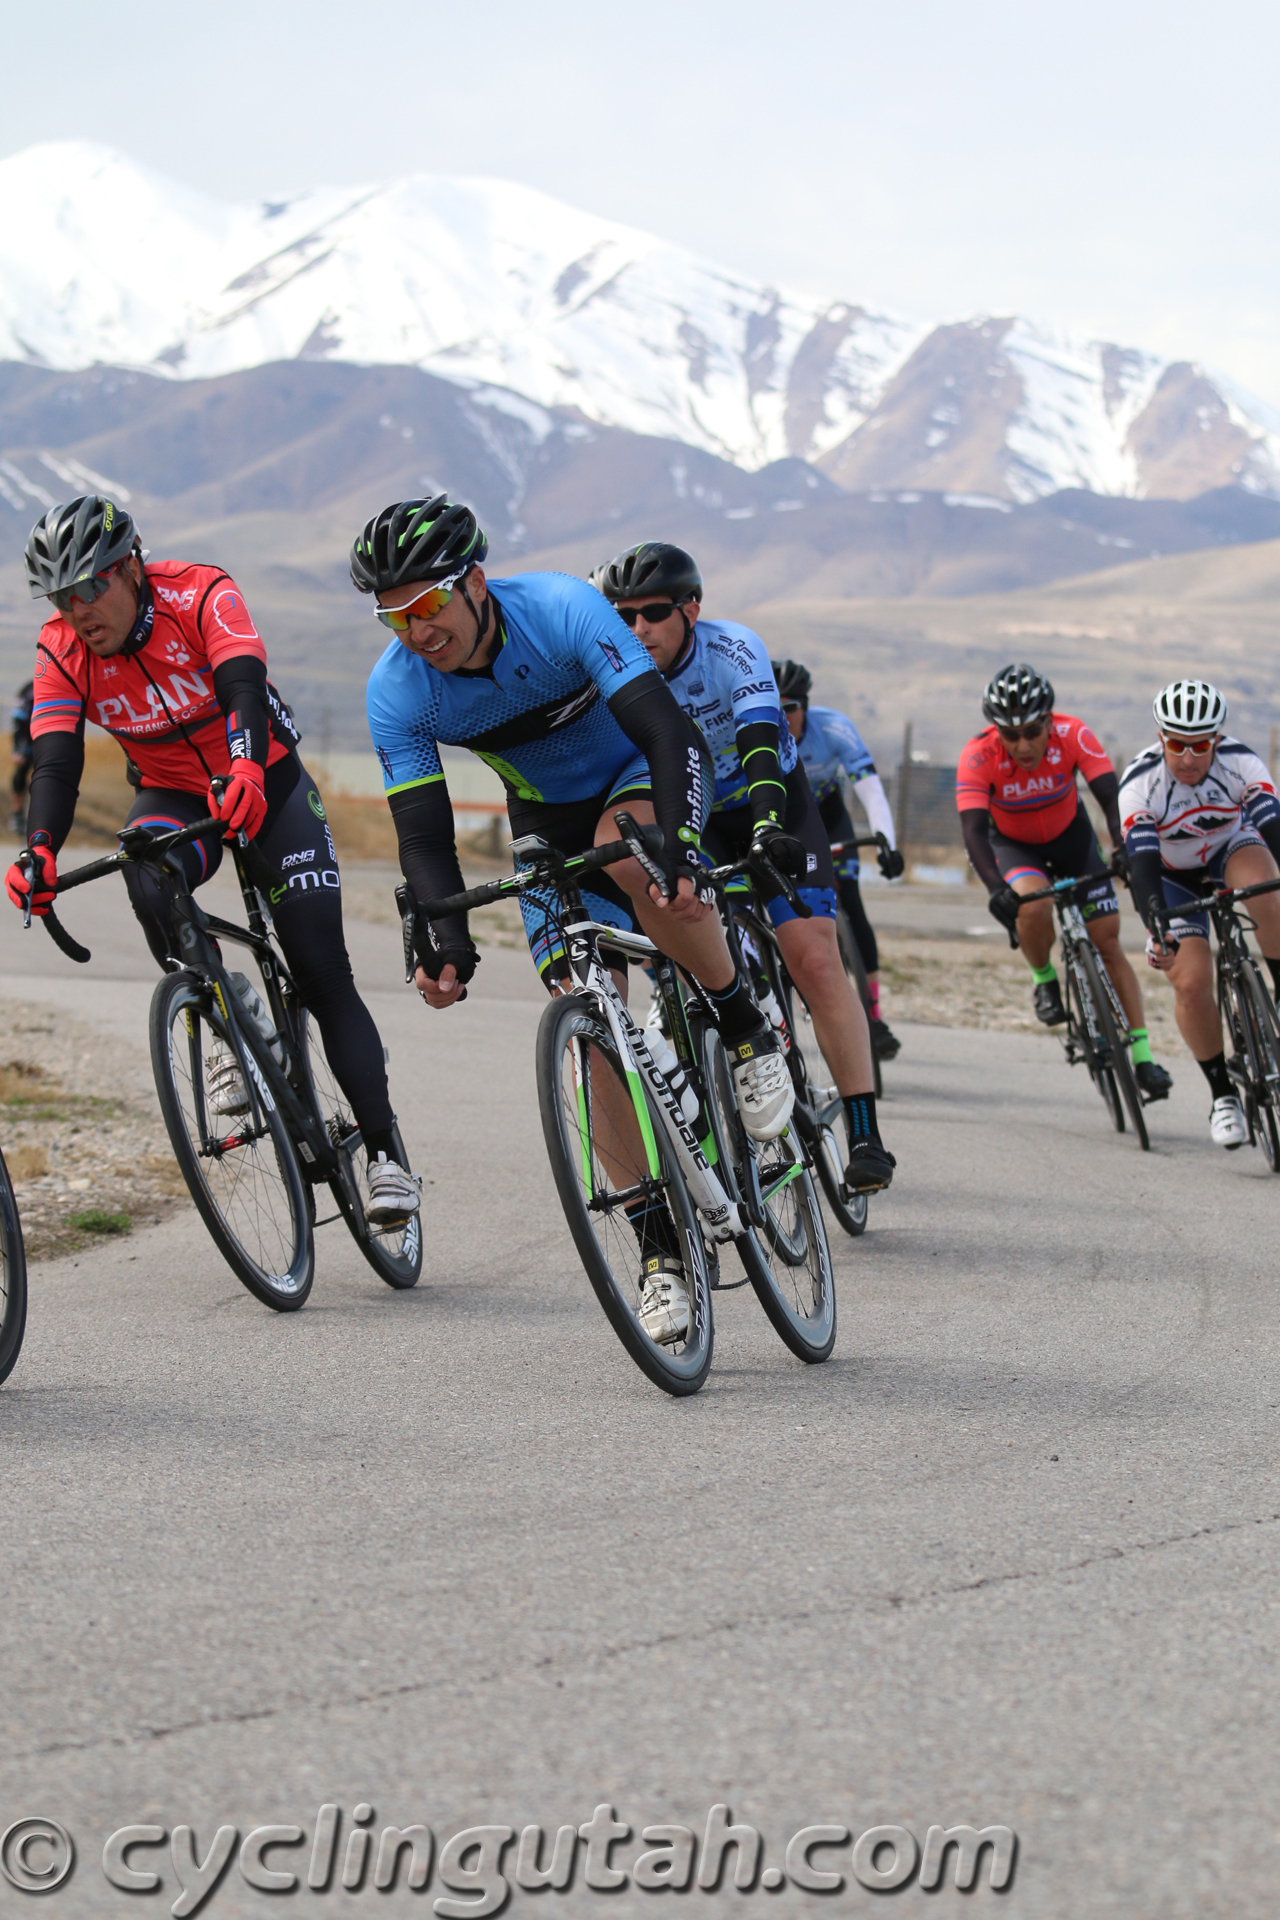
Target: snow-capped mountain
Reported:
[(494, 286)]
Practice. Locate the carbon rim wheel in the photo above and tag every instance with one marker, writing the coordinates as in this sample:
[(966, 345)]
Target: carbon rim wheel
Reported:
[(1266, 1036), (1100, 1073), (13, 1277), (790, 1267), (850, 1209), (601, 1165), (394, 1253), (1122, 1066), (241, 1170)]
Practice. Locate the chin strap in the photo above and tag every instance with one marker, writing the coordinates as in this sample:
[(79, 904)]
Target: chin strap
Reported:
[(482, 626), (140, 631)]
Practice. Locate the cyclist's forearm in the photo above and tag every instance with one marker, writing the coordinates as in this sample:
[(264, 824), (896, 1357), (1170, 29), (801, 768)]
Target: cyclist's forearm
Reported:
[(1106, 791), (57, 762), (1146, 883), (875, 804), (766, 789), (241, 688), (655, 723), (975, 825), (429, 854)]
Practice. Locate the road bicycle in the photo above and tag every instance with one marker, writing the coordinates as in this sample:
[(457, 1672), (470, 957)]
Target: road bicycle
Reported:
[(253, 1175), (850, 952), (621, 1135), (819, 1110), (1249, 1019), (13, 1277), (1097, 1028)]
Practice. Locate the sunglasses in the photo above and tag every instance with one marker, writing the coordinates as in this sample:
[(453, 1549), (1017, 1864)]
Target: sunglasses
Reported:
[(1022, 733), (653, 615), (427, 604), (793, 706), (86, 591), (1180, 745)]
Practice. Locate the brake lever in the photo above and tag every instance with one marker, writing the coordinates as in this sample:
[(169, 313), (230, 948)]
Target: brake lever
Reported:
[(408, 913), (786, 885), (631, 833), (27, 868)]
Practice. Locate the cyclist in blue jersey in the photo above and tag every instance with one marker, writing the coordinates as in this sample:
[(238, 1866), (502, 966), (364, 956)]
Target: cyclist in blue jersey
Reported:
[(831, 748), (721, 675), (537, 676)]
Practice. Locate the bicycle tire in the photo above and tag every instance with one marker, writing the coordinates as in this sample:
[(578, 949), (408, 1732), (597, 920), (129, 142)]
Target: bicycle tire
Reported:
[(850, 1209), (1078, 1025), (575, 1045), (13, 1277), (250, 1193), (857, 972), (1266, 1038), (394, 1253), (801, 1312), (1122, 1066)]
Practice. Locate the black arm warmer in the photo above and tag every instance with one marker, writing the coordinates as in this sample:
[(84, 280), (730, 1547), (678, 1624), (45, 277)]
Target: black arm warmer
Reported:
[(758, 753), (429, 853), (1106, 791), (57, 761), (975, 825), (653, 720), (241, 687), (1270, 831), (1146, 884)]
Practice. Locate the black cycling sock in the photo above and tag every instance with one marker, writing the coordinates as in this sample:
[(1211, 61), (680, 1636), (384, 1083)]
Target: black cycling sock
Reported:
[(860, 1117), (381, 1141), (736, 1011), (1275, 973), (654, 1228), (1215, 1072)]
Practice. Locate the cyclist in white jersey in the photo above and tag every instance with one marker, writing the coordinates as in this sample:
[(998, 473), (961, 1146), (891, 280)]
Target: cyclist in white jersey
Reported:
[(721, 675), (832, 750), (1199, 812)]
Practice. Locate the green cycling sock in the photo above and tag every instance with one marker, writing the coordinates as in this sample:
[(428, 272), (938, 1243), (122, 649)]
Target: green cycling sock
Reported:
[(1141, 1046), (1042, 975)]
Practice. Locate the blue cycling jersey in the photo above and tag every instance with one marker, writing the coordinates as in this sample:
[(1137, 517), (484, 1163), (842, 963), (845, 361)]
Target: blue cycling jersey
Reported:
[(536, 713), (831, 745), (725, 682)]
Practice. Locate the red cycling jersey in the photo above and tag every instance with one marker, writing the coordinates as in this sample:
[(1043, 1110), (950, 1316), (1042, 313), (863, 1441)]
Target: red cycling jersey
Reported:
[(1030, 806), (147, 699)]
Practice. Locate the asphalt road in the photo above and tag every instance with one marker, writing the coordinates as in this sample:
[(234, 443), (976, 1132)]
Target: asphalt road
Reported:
[(1010, 1557)]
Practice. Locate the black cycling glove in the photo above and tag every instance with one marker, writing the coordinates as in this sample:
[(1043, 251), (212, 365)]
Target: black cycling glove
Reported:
[(1004, 906), (783, 850), (892, 863)]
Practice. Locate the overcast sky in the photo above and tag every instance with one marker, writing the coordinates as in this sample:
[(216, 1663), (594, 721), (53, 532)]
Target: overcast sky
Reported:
[(1109, 164)]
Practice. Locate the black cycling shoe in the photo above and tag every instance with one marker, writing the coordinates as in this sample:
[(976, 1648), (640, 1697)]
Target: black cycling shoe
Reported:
[(886, 1045), (1050, 1011), (870, 1167), (1153, 1081)]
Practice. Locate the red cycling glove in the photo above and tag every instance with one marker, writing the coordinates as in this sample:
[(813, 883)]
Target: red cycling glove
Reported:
[(243, 806), (17, 885)]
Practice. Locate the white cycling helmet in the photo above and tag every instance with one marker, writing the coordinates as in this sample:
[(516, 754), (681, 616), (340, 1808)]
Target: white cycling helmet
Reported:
[(1189, 706)]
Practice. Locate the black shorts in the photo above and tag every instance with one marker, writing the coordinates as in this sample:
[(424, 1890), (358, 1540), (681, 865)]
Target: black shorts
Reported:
[(1069, 857), (570, 827), (727, 836)]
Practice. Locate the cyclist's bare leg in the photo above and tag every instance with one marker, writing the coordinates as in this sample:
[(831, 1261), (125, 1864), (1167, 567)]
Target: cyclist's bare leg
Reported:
[(812, 953), (1035, 922), (1104, 931), (1195, 1009), (615, 1129), (687, 930), (1249, 867)]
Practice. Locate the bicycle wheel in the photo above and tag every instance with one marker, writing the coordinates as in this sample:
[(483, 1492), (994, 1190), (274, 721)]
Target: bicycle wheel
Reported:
[(850, 1209), (1081, 1005), (1121, 1065), (13, 1277), (241, 1170), (600, 1164), (795, 1288), (395, 1252), (1265, 1039), (853, 966)]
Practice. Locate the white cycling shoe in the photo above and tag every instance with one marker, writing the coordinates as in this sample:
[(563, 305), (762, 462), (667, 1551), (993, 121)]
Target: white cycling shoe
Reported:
[(393, 1193), (762, 1082), (1227, 1125), (664, 1305), (224, 1083)]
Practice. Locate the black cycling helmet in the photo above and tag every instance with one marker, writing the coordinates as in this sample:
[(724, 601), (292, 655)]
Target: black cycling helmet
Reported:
[(71, 544), (416, 540), (1017, 696), (794, 681), (652, 567)]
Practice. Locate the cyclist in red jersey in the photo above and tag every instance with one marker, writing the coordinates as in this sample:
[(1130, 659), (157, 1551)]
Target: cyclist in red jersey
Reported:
[(165, 657), (1024, 824)]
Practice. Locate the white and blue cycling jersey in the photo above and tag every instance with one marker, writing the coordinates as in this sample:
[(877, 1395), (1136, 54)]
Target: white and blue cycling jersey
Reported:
[(536, 713), (830, 746), (724, 682)]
